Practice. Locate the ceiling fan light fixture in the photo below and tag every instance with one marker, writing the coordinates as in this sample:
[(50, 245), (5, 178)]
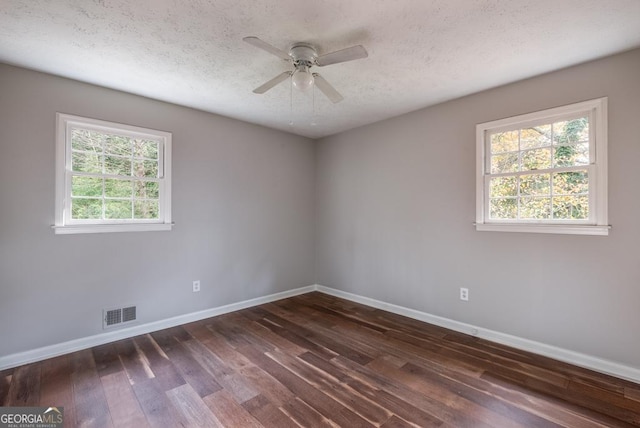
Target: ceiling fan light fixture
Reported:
[(302, 78), (303, 56)]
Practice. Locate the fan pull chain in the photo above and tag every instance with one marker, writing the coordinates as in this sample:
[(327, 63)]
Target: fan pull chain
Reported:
[(290, 101), (313, 106)]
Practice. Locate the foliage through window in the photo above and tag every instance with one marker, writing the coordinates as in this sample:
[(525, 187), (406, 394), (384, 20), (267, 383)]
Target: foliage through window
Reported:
[(113, 176), (542, 169)]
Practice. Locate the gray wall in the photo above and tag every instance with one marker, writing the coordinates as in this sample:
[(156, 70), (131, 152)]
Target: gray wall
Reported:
[(243, 204), (389, 207), (396, 202)]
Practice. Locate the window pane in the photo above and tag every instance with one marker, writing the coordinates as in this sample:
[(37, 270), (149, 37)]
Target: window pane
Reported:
[(504, 142), (571, 155), (86, 186), (536, 159), (571, 131), (117, 209), (570, 183), (535, 208), (571, 207), (504, 163), (503, 208), (83, 139), (84, 209), (117, 166), (146, 209), (111, 178), (86, 162), (118, 188), (503, 186), (147, 189), (536, 136), (541, 168), (145, 169), (117, 145), (535, 184), (145, 149)]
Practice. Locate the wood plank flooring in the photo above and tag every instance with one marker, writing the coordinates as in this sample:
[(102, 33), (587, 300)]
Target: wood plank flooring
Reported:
[(318, 361)]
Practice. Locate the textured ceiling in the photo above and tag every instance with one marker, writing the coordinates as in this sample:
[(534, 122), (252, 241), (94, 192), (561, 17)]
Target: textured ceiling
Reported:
[(421, 52)]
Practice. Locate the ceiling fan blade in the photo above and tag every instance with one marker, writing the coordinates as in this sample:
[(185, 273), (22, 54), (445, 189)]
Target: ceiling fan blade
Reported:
[(267, 47), (348, 54), (273, 82), (327, 89)]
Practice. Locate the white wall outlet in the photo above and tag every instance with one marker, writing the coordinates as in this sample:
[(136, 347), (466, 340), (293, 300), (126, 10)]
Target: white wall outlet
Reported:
[(464, 294), (196, 286)]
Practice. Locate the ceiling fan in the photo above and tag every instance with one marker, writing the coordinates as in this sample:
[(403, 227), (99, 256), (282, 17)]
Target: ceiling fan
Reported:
[(304, 56)]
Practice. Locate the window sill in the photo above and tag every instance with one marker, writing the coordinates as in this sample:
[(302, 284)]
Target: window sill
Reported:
[(567, 229), (109, 228)]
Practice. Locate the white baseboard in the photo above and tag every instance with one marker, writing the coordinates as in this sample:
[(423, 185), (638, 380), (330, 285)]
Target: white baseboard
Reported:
[(576, 358), (45, 352), (582, 360)]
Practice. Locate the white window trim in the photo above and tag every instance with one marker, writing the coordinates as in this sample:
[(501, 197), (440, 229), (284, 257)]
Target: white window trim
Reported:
[(597, 110), (62, 224)]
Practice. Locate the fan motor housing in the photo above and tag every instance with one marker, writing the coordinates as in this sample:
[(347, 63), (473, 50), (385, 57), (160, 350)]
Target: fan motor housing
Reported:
[(303, 54)]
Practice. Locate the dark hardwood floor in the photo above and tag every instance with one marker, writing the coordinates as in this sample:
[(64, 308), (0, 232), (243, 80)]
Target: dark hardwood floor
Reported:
[(316, 360)]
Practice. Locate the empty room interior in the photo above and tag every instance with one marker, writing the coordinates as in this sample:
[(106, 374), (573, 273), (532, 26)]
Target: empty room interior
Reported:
[(285, 213)]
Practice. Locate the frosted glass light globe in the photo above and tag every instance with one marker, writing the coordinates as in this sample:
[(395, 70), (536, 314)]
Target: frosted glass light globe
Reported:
[(302, 79)]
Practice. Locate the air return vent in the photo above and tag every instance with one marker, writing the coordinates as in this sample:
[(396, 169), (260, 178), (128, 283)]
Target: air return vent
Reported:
[(117, 316), (129, 314)]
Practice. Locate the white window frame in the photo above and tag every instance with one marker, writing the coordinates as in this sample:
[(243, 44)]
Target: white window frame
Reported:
[(597, 224), (63, 222)]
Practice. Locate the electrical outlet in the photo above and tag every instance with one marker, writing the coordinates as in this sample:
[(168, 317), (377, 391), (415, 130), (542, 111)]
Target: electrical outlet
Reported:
[(196, 286), (464, 294)]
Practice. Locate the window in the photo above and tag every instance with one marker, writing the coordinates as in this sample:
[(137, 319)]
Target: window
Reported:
[(111, 177), (544, 172)]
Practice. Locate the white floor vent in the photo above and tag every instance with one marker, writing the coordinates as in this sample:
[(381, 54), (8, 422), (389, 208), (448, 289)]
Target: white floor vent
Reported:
[(117, 316)]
